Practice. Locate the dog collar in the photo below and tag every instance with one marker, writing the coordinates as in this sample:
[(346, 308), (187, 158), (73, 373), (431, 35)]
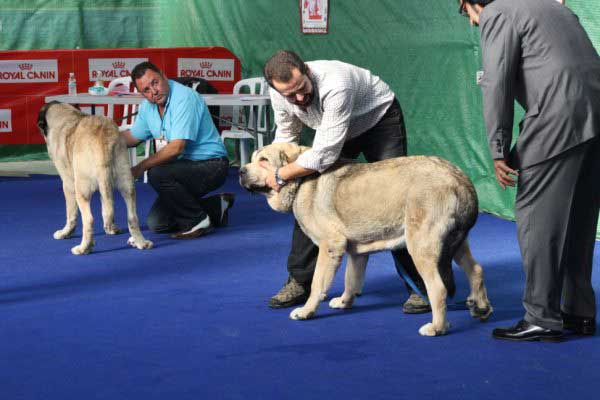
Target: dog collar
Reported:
[(280, 181)]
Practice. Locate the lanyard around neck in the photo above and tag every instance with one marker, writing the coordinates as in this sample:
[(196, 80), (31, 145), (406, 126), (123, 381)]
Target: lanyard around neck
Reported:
[(162, 132)]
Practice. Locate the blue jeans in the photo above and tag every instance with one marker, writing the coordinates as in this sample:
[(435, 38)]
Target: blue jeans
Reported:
[(181, 185)]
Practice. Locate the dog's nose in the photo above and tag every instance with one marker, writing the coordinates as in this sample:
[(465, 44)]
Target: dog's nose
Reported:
[(242, 171)]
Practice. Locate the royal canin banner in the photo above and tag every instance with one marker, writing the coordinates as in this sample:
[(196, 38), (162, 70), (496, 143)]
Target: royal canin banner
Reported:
[(27, 77), (107, 69), (207, 68), (5, 120), (28, 71)]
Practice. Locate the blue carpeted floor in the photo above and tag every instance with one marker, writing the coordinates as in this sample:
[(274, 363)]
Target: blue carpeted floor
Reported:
[(188, 319)]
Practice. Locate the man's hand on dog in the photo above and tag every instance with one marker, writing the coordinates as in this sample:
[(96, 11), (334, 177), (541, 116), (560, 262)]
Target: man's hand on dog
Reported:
[(289, 172), (137, 171)]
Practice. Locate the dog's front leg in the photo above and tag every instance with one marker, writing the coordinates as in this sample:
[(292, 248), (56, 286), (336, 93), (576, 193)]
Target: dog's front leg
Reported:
[(353, 281), (127, 190), (328, 262), (71, 207)]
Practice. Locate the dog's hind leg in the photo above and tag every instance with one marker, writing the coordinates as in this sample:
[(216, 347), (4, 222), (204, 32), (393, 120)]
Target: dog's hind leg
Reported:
[(72, 211), (83, 194), (328, 262), (425, 248), (427, 267), (126, 187), (478, 302), (106, 197), (353, 281)]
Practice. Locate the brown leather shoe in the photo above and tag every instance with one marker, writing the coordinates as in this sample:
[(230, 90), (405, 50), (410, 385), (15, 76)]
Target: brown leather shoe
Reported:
[(192, 234), (415, 305), (291, 294)]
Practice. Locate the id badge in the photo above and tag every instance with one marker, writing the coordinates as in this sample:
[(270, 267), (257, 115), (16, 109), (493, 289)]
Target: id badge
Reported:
[(160, 143)]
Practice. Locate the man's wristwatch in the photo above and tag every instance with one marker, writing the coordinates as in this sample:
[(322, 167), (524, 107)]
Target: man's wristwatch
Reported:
[(280, 181)]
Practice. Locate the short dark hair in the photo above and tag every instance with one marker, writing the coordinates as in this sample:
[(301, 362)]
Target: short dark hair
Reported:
[(280, 66), (139, 70), (480, 2)]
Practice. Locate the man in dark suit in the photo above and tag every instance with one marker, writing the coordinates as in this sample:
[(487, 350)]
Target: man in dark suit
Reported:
[(537, 52)]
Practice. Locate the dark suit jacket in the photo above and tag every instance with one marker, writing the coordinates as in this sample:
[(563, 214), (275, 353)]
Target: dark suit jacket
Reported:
[(537, 52)]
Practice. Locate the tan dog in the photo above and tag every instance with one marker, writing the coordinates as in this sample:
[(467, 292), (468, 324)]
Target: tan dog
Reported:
[(89, 154), (422, 203)]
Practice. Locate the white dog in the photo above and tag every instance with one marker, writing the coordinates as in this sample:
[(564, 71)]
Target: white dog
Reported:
[(89, 154), (422, 203)]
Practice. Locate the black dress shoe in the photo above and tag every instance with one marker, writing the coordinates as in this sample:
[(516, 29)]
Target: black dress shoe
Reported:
[(524, 331), (579, 325)]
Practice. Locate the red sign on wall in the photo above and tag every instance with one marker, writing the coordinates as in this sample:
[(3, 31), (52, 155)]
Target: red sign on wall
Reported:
[(27, 77)]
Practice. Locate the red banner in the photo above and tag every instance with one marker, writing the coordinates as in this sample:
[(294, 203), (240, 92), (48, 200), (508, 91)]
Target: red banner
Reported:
[(27, 77)]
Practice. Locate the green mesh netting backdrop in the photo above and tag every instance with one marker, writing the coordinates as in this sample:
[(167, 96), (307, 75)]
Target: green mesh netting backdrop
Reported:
[(424, 50)]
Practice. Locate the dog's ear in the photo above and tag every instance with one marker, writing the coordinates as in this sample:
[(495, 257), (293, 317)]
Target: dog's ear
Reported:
[(42, 123), (291, 153), (43, 127)]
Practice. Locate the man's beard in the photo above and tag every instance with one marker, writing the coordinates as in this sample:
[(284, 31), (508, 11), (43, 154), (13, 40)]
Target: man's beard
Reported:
[(308, 98)]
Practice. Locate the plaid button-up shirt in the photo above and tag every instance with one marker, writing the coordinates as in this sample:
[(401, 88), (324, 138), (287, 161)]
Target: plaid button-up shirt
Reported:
[(348, 101)]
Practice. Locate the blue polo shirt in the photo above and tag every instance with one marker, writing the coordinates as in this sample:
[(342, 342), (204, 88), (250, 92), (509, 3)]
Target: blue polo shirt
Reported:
[(186, 117)]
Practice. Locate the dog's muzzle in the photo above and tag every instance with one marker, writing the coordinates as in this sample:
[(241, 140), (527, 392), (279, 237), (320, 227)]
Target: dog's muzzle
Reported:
[(252, 187)]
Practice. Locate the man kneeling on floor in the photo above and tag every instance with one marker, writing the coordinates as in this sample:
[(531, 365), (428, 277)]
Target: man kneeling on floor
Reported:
[(190, 160)]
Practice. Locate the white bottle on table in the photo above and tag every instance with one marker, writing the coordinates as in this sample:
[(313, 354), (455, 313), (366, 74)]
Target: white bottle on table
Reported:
[(72, 84)]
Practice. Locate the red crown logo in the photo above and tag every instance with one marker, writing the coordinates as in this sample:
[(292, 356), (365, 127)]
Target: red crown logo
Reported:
[(118, 65), (25, 66), (205, 64)]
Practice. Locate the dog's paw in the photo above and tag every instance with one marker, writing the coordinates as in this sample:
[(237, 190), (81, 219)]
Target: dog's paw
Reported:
[(337, 302), (429, 330), (81, 250), (140, 244), (301, 313), (62, 234), (112, 229), (481, 313)]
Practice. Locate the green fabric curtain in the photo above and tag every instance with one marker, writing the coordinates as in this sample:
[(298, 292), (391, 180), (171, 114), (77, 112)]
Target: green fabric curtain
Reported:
[(428, 54)]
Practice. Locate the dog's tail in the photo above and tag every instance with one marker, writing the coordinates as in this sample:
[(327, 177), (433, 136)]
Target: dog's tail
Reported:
[(105, 162)]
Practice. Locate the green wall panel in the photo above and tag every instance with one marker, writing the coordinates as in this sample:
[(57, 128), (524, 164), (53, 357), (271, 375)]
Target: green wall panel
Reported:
[(426, 52)]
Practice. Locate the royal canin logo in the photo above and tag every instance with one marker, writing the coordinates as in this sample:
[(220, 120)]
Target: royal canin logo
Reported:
[(206, 64), (118, 65), (25, 67)]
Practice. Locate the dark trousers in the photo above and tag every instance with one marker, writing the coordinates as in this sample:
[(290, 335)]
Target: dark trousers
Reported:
[(181, 186), (557, 214), (385, 140)]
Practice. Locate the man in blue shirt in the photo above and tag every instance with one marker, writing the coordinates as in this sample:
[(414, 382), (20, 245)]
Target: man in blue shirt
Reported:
[(190, 161)]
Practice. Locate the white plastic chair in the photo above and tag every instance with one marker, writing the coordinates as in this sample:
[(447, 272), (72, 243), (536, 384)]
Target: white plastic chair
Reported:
[(238, 116), (125, 85)]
